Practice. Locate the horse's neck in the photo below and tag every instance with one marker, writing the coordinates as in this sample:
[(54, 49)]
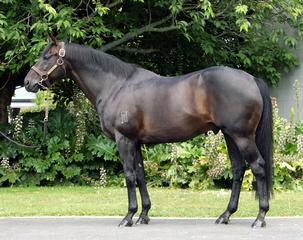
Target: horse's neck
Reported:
[(97, 73), (95, 84)]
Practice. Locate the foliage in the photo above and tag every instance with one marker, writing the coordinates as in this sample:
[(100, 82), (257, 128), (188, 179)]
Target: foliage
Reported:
[(65, 155), (288, 152), (43, 100), (167, 36)]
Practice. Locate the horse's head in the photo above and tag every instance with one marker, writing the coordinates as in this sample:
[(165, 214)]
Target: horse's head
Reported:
[(50, 67)]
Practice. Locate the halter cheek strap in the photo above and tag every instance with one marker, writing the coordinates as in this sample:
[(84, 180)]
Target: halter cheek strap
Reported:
[(45, 74)]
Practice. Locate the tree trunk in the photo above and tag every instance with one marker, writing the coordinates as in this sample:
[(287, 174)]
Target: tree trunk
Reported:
[(7, 89), (5, 100)]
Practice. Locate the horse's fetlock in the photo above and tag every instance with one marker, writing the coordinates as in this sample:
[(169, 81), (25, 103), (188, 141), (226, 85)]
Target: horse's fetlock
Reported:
[(133, 209), (264, 205), (146, 205), (232, 208)]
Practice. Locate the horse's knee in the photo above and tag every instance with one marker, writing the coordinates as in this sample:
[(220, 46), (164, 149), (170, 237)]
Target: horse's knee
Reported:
[(238, 173), (140, 177), (257, 168), (130, 178)]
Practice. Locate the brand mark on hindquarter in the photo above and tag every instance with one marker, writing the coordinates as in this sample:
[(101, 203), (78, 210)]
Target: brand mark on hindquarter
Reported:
[(124, 117)]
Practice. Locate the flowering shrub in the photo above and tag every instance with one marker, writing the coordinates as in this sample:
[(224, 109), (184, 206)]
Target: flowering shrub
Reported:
[(288, 152), (64, 155)]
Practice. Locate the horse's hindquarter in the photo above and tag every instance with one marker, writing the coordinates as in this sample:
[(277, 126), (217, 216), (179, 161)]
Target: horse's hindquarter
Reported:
[(234, 99)]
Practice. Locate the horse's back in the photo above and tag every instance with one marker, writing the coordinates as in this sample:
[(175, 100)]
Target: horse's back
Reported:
[(230, 80)]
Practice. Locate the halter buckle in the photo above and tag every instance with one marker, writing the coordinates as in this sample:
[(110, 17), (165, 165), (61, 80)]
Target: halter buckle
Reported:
[(61, 52), (60, 61), (44, 77)]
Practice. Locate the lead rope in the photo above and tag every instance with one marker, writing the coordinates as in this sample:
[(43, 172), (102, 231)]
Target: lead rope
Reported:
[(15, 142), (46, 109)]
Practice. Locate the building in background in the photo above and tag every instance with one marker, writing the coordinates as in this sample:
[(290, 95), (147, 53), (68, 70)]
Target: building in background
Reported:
[(285, 93), (22, 99)]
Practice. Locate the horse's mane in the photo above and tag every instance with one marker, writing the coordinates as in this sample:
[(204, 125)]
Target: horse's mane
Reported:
[(97, 59)]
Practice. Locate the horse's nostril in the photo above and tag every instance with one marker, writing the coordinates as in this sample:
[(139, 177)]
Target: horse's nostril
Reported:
[(26, 82)]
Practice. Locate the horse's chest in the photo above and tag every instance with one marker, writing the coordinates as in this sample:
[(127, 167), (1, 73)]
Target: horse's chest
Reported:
[(114, 117), (106, 128), (105, 115)]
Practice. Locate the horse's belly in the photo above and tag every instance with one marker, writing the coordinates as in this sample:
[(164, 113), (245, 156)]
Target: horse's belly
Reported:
[(171, 132)]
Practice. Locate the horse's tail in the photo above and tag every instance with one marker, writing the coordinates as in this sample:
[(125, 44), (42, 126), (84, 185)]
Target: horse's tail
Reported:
[(264, 137)]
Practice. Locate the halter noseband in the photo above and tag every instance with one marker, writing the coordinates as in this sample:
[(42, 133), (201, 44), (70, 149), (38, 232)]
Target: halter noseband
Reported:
[(44, 74)]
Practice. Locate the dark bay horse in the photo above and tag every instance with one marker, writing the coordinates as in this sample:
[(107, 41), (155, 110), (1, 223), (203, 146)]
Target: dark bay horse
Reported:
[(137, 106)]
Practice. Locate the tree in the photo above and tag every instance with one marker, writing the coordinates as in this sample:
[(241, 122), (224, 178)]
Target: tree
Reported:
[(167, 36)]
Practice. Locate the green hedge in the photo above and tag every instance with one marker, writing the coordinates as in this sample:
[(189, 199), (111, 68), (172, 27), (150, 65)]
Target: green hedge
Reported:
[(74, 152)]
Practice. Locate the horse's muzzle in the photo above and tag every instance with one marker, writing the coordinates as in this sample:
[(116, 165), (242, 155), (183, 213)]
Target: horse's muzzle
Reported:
[(31, 86)]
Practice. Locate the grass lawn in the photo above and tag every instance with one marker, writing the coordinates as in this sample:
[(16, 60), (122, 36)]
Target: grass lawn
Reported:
[(66, 201)]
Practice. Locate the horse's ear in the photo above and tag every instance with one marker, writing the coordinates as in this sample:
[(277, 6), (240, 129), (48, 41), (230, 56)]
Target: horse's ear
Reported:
[(53, 39)]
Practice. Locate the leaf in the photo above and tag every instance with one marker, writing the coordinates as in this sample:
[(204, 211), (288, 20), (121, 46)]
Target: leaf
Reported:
[(3, 23), (241, 9), (9, 54), (71, 171), (102, 147), (290, 41), (47, 7), (182, 25), (50, 9), (244, 58), (175, 7), (207, 7), (78, 157), (66, 24), (244, 24)]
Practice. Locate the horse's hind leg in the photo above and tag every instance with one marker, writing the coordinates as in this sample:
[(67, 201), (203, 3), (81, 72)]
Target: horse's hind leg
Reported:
[(238, 169), (127, 150), (251, 154), (146, 204)]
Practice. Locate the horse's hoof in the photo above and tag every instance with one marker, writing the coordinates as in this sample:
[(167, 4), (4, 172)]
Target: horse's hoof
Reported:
[(222, 220), (143, 220), (258, 223), (126, 222)]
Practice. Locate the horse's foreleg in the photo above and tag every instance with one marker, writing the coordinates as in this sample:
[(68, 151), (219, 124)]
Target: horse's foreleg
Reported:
[(127, 151), (146, 204), (238, 168), (252, 155)]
